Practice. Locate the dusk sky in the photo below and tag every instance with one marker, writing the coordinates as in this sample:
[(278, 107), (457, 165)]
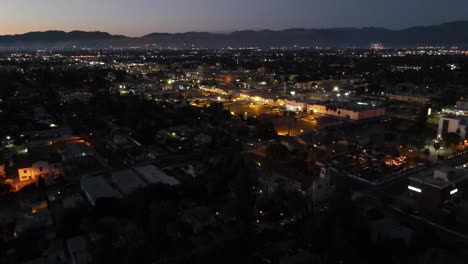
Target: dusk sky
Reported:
[(139, 17)]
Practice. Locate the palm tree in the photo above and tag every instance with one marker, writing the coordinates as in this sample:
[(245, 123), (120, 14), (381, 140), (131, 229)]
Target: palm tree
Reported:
[(436, 148)]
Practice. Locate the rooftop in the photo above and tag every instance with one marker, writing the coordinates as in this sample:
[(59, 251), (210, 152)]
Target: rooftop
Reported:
[(127, 181), (78, 249), (96, 188), (441, 177), (76, 149), (463, 119), (152, 175), (359, 106)]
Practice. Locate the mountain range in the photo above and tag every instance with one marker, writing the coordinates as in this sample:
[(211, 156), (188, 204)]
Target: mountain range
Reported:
[(447, 34)]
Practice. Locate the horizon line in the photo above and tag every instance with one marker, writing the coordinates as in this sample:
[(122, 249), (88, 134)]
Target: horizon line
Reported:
[(225, 32)]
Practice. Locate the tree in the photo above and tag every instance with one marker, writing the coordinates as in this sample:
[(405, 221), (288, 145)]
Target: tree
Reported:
[(244, 205), (104, 252), (421, 119), (436, 148), (276, 151), (427, 152), (452, 139), (4, 188), (161, 214), (227, 115), (344, 233), (266, 129)]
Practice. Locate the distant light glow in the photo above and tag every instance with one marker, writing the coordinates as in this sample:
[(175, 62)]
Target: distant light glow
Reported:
[(453, 192)]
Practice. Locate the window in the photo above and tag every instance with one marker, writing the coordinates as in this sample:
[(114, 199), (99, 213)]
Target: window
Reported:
[(40, 168), (25, 171)]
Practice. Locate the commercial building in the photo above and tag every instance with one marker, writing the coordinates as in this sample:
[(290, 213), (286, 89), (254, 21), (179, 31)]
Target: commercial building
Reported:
[(460, 108), (341, 110), (207, 73), (408, 98), (434, 189), (96, 188), (127, 181), (349, 111), (218, 89), (294, 105), (259, 96)]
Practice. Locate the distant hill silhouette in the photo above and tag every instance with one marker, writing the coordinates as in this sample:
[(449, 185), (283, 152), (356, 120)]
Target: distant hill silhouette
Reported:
[(448, 34)]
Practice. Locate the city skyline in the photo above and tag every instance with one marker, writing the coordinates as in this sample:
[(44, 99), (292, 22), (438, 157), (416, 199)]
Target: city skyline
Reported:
[(137, 18)]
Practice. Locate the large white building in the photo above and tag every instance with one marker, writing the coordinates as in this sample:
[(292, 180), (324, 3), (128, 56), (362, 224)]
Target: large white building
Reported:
[(348, 111), (341, 110), (453, 124)]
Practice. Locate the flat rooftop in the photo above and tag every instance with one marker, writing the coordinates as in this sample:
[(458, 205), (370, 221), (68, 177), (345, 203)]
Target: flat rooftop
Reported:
[(153, 175), (76, 149), (463, 119), (127, 181), (428, 177), (96, 188)]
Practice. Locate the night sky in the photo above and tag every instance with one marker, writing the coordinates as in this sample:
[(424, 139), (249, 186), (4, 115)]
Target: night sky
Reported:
[(139, 17)]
